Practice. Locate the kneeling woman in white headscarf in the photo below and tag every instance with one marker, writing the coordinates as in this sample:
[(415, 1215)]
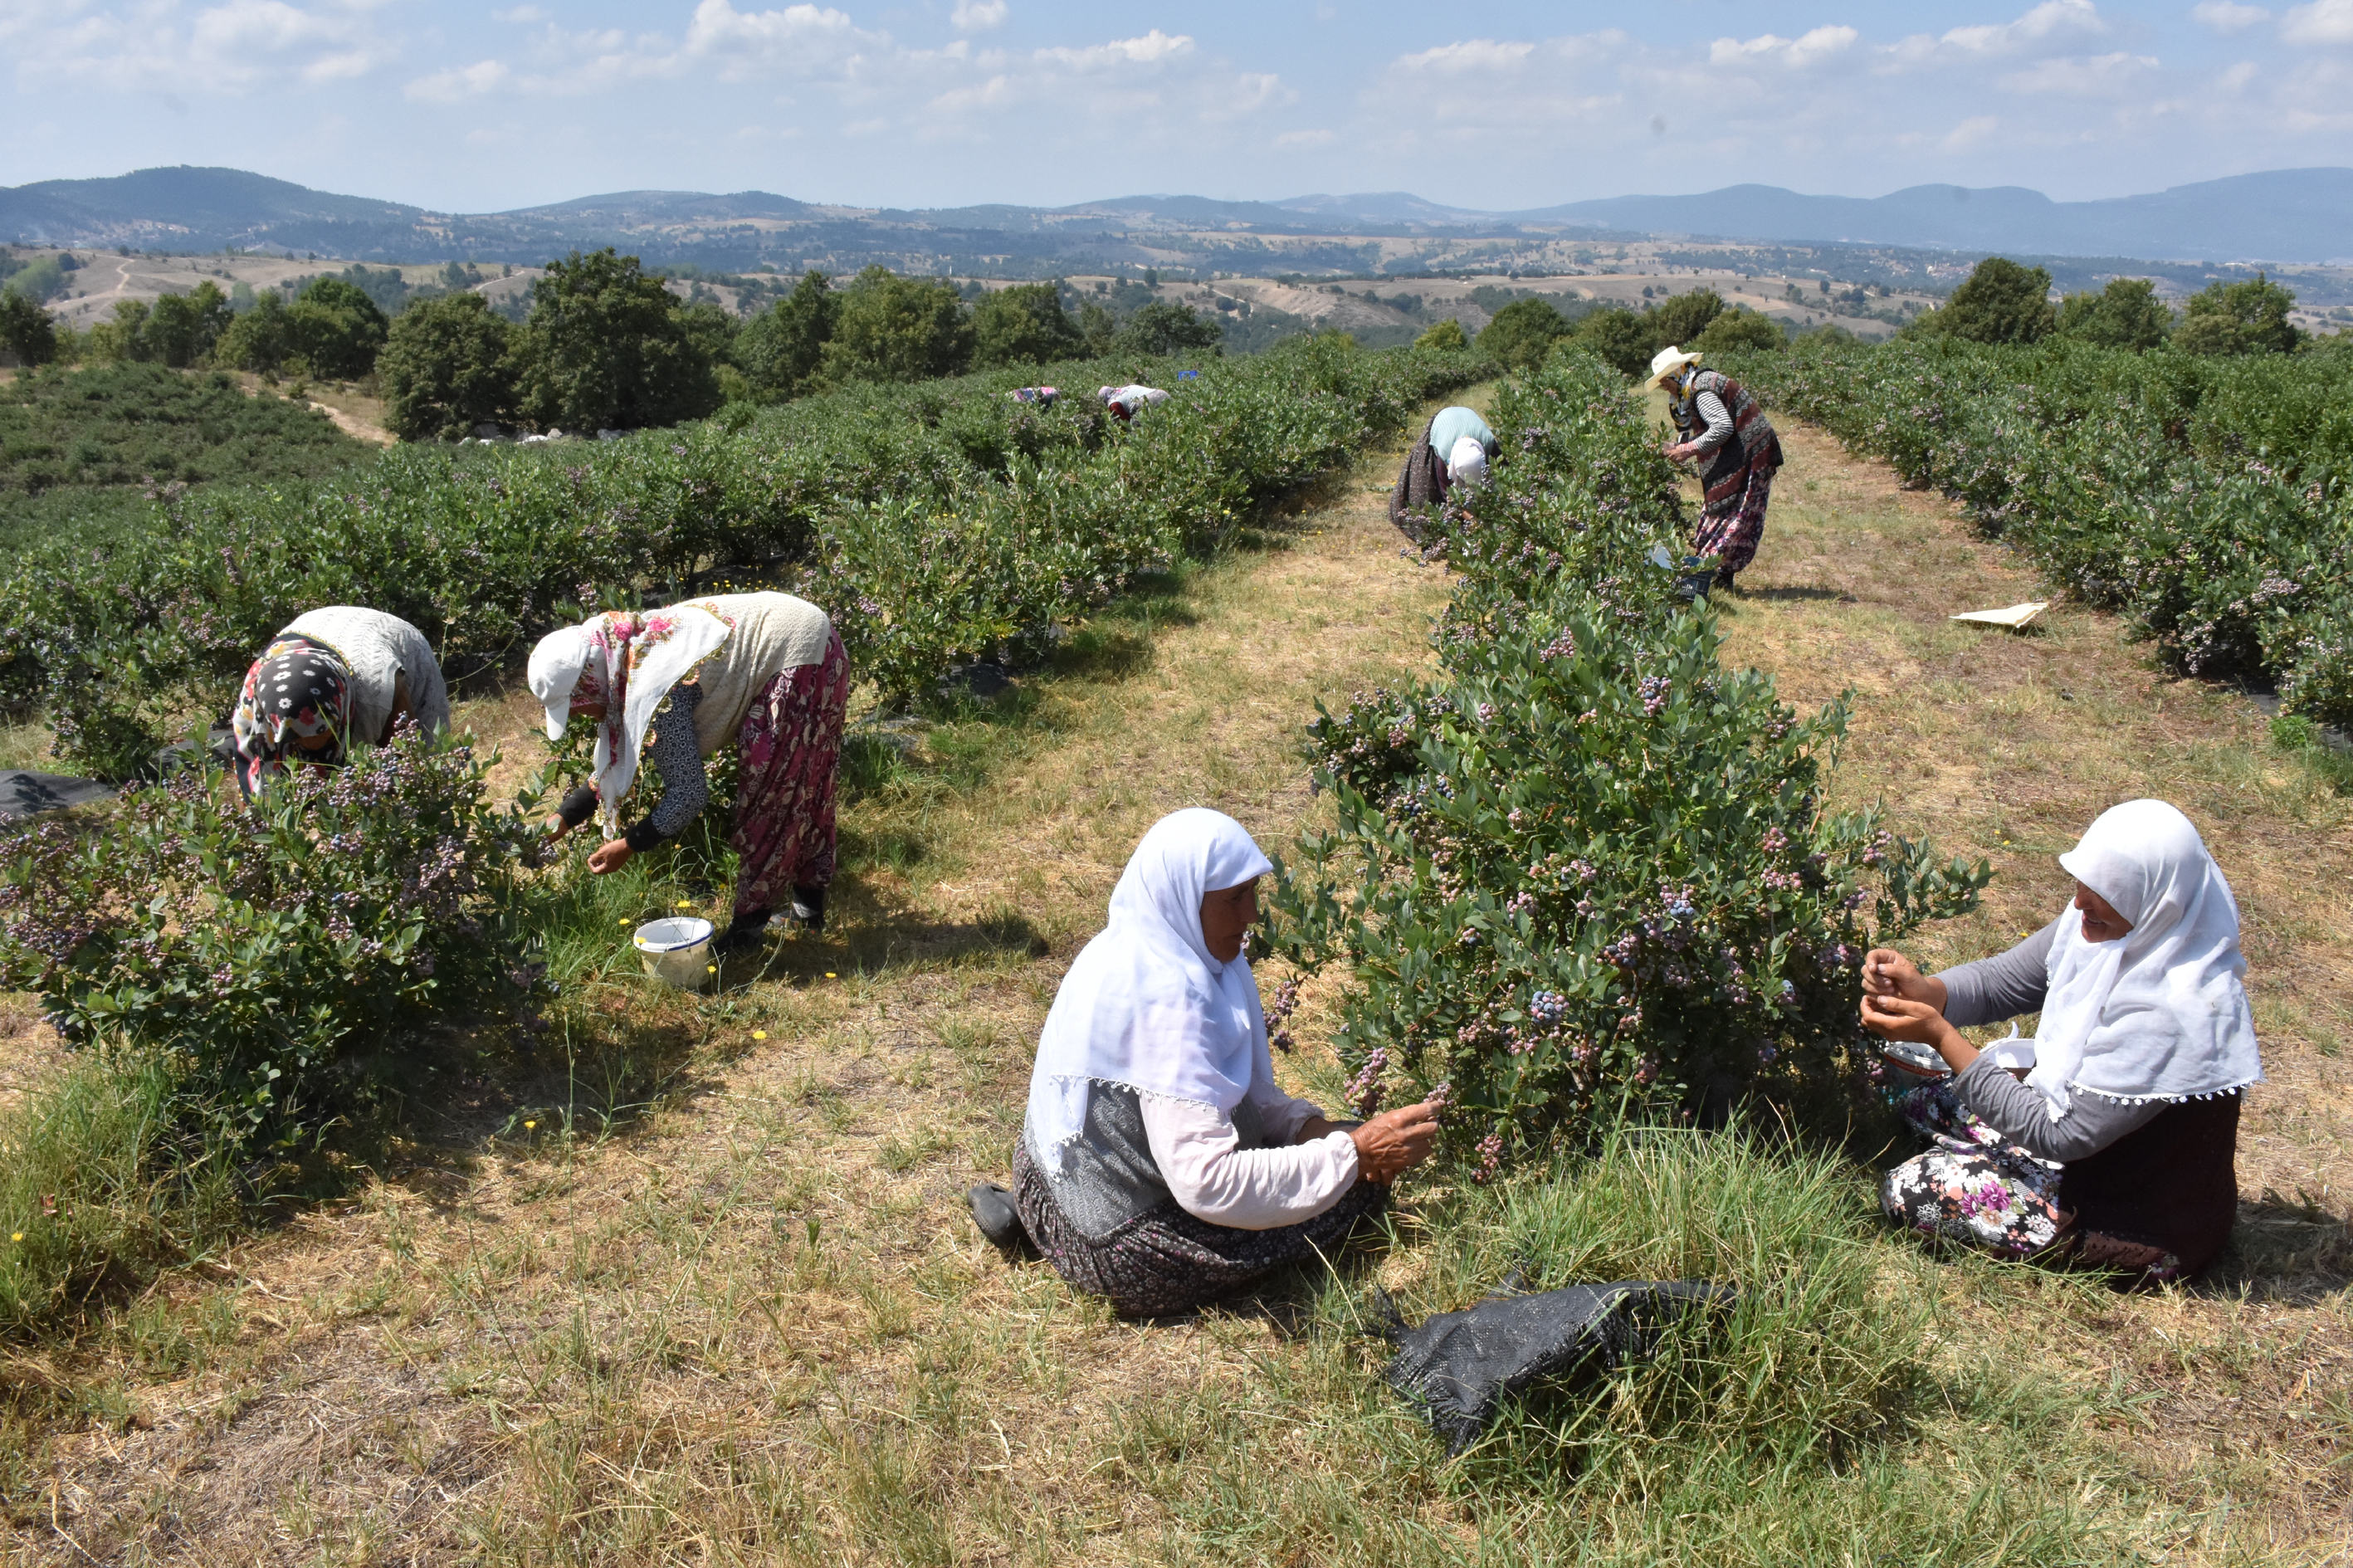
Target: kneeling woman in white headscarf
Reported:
[(1159, 1166), (764, 672), (2118, 1148), (1452, 451)]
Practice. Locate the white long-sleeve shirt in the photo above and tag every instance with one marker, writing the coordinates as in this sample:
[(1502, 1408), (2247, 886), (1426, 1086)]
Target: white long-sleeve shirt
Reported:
[(1213, 1178)]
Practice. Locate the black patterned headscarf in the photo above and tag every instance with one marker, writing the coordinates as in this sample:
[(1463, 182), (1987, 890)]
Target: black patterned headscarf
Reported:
[(297, 689)]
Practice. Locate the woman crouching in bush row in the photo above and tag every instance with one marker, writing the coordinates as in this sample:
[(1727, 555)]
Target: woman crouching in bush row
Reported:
[(764, 672), (1159, 1165), (334, 678), (2118, 1148)]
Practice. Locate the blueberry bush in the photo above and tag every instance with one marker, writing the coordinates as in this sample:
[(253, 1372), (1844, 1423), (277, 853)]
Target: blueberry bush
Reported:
[(940, 522), (277, 958), (1585, 866), (2209, 499)]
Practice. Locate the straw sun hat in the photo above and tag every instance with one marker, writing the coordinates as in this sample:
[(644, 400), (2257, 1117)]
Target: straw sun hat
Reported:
[(1669, 360)]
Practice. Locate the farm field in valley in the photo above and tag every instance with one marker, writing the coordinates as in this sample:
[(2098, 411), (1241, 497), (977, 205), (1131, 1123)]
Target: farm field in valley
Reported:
[(747, 1319)]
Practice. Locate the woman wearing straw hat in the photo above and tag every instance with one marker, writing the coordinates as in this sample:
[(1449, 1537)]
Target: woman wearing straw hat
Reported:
[(1723, 429)]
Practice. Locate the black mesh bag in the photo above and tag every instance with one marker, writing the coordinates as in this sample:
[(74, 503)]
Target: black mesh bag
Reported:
[(1460, 1366)]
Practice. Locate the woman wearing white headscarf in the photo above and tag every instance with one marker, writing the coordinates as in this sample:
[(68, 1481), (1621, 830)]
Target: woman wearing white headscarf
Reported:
[(762, 671), (1159, 1165), (1453, 451), (2119, 1147)]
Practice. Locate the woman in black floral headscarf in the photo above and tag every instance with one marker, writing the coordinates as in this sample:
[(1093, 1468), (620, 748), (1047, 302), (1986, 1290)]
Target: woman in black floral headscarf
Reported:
[(295, 708)]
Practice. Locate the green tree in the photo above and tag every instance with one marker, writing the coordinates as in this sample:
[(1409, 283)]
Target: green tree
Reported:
[(780, 349), (606, 348), (1098, 326), (336, 328), (122, 339), (2001, 303), (2248, 317), (898, 329), (1619, 337), (2125, 314), (183, 328), (1165, 327), (1523, 332), (1684, 318), (29, 335), (1443, 335), (1738, 329), (447, 366), (1024, 324), (258, 339)]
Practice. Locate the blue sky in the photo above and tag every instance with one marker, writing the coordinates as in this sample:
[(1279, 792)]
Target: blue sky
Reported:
[(937, 103)]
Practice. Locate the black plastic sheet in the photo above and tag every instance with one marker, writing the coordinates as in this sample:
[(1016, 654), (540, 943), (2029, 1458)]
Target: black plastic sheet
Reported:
[(28, 794), (1460, 1367)]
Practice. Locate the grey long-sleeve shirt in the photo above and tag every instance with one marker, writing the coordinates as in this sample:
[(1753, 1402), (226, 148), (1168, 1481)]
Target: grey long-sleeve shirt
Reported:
[(1991, 991)]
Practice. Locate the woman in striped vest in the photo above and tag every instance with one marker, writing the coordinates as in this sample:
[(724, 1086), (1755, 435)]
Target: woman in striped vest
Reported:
[(1723, 430)]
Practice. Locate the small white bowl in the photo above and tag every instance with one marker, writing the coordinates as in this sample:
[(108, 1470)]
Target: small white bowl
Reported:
[(676, 951)]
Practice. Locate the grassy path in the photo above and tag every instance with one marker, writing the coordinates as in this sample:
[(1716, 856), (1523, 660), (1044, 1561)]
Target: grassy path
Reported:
[(762, 1315), (754, 1325)]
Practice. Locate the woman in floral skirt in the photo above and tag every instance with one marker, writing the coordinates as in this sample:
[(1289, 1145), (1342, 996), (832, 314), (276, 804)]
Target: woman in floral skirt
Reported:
[(2118, 1148), (764, 672)]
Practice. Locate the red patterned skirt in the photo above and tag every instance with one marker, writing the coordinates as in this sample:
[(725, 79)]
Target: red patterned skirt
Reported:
[(789, 750)]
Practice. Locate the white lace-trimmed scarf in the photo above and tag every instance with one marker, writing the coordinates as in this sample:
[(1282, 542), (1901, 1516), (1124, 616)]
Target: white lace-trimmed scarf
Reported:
[(2158, 1013), (625, 664), (1145, 1006)]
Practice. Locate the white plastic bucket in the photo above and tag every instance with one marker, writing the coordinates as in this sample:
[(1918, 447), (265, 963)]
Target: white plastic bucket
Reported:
[(677, 951)]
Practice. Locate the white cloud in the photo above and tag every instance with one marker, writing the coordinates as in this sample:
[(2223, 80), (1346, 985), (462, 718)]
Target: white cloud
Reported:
[(979, 15), (1969, 132), (460, 83), (1817, 44), (2102, 76), (1475, 57), (2052, 18), (521, 14), (238, 47), (2324, 22), (2227, 16), (1152, 46)]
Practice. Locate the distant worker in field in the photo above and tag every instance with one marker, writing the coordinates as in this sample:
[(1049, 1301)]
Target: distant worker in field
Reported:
[(335, 678), (1724, 431), (764, 672), (1159, 1165), (1455, 447), (1129, 400)]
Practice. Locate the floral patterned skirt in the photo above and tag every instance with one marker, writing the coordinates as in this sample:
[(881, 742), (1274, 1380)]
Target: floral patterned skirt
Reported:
[(1167, 1261), (789, 748), (1732, 523), (1973, 1187)]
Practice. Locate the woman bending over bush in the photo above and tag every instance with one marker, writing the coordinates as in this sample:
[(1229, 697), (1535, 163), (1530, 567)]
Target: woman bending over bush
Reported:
[(762, 671)]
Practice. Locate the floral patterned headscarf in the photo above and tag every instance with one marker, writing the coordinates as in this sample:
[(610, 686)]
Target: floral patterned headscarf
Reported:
[(296, 690), (622, 663)]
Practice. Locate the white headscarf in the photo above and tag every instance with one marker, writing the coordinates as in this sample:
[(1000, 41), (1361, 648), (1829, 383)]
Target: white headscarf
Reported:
[(2158, 1013), (625, 664), (1145, 1005), (1467, 463)]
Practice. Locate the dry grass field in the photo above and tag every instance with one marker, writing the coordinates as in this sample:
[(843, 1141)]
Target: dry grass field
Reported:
[(709, 1295)]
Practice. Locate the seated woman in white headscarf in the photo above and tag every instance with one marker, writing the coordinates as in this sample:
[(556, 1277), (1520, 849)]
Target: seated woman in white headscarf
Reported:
[(2118, 1148), (1131, 400), (1159, 1166), (764, 672), (1454, 449), (334, 678)]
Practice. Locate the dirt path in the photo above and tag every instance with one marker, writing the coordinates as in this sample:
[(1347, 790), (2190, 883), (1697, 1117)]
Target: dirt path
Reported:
[(616, 1348)]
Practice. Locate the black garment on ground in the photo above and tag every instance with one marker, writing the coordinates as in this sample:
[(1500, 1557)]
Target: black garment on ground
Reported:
[(1460, 1367)]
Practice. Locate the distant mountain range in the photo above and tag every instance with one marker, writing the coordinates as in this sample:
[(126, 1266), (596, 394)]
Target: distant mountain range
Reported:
[(2286, 216)]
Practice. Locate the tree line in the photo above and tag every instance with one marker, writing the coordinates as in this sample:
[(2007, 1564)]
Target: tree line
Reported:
[(606, 345), (2005, 303)]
